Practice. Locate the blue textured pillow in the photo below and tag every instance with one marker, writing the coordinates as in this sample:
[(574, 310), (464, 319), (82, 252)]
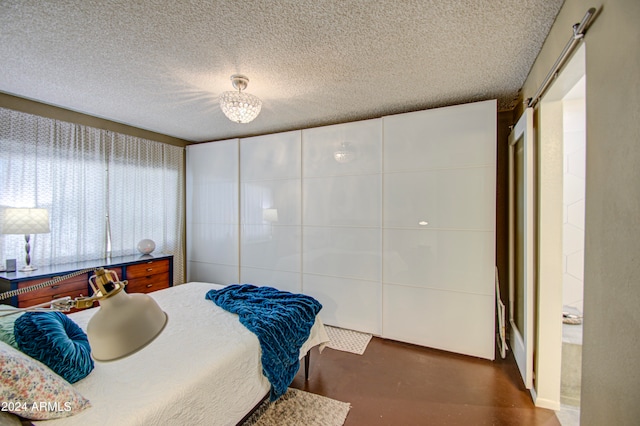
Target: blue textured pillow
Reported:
[(55, 340)]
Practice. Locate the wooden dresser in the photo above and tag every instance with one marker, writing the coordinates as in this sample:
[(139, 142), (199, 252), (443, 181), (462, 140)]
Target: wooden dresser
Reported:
[(144, 274)]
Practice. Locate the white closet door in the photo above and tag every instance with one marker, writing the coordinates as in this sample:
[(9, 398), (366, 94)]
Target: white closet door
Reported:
[(212, 212), (270, 206), (341, 218), (439, 228)]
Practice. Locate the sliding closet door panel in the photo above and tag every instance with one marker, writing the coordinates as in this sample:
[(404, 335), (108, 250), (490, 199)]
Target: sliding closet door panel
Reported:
[(448, 137), (217, 203), (212, 212), (212, 273), (275, 202), (342, 201), (346, 303), (439, 228), (341, 217), (342, 252), (271, 247), (275, 156), (212, 182), (419, 315), (444, 260), (213, 162), (440, 199), (216, 241), (270, 211), (344, 149), (286, 281)]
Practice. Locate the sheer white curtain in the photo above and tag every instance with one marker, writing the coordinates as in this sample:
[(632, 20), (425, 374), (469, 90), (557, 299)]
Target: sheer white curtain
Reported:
[(80, 174), (146, 198)]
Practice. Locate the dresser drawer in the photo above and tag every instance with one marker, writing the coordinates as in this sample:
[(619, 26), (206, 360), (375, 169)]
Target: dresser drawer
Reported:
[(148, 284), (76, 286), (146, 269), (72, 294)]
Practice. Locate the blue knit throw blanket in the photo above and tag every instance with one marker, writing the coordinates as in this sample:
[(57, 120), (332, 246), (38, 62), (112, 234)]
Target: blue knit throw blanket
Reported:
[(281, 320)]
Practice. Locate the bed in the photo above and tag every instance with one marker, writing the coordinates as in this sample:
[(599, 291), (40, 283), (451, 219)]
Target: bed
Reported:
[(204, 368)]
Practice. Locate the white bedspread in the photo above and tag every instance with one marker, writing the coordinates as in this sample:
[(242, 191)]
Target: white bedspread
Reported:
[(203, 369)]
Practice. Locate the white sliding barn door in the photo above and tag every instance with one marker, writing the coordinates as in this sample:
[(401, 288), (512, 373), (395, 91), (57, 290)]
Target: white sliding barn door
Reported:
[(521, 285)]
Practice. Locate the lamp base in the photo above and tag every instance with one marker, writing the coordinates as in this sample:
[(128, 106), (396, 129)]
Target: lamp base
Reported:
[(27, 268)]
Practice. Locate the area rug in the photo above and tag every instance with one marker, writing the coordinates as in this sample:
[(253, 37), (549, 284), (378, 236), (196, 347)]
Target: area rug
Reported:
[(345, 340), (296, 408)]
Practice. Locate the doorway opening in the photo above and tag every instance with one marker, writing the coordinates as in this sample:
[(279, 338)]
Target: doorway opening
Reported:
[(562, 172), (574, 159)]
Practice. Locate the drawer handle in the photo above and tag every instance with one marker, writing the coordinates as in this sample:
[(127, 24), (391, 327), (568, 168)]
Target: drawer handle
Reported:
[(55, 287), (149, 269), (56, 296), (149, 285)]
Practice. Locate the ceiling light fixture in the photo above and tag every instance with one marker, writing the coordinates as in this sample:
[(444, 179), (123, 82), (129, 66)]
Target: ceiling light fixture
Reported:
[(239, 106)]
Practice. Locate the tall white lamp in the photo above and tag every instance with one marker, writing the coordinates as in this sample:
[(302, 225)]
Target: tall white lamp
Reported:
[(27, 222)]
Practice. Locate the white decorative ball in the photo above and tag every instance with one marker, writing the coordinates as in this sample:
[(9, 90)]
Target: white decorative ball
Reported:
[(146, 246)]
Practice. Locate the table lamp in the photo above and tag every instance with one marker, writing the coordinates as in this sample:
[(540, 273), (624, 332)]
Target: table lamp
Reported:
[(27, 222)]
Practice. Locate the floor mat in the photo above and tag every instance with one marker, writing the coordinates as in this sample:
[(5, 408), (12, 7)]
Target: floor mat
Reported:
[(345, 340)]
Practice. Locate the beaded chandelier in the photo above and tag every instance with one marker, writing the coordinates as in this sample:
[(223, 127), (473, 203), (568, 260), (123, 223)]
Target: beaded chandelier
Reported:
[(239, 106)]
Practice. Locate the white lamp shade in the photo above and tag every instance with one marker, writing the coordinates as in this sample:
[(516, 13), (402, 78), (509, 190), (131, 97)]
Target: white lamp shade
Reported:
[(124, 324), (25, 221)]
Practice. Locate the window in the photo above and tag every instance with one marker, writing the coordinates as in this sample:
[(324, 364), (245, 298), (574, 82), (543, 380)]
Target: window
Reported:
[(83, 176)]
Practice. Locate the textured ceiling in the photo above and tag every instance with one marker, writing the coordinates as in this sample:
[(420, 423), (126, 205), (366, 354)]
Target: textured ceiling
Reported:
[(161, 65)]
